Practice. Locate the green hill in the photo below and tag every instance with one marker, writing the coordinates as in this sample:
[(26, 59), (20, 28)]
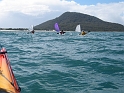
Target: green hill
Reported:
[(68, 21)]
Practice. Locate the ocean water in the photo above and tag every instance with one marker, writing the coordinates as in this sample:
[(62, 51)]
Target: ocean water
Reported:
[(46, 62)]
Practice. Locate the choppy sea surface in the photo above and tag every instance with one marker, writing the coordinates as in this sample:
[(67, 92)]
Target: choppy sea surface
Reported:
[(46, 62)]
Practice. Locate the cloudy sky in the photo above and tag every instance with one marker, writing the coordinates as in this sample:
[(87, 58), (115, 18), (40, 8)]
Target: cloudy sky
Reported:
[(24, 13)]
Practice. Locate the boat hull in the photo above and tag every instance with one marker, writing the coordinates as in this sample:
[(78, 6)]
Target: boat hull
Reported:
[(7, 78)]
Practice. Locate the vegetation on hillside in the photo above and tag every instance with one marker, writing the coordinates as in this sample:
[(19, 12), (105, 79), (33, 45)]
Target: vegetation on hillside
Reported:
[(68, 21)]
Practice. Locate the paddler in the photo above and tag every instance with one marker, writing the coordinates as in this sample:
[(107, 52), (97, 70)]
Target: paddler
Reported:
[(83, 33), (62, 32), (32, 31)]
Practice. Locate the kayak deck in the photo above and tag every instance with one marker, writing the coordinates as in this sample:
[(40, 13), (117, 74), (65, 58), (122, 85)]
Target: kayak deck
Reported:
[(7, 78)]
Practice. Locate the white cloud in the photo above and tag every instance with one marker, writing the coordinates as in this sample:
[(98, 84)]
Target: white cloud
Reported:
[(112, 12), (38, 11), (26, 7)]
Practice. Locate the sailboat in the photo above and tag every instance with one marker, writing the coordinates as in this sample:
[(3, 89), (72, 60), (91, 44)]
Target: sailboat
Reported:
[(56, 26), (78, 29), (31, 30)]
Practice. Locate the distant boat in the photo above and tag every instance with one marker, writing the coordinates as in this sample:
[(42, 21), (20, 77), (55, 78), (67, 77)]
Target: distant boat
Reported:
[(78, 29), (56, 26), (31, 30)]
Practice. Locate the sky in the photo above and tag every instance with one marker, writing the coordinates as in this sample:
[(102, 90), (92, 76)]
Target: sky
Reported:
[(25, 13)]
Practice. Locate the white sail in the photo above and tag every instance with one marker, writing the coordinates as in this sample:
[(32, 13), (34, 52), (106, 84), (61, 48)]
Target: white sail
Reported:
[(32, 27), (78, 28)]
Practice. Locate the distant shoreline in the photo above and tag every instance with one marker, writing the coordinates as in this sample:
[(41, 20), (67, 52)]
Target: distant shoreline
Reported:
[(54, 31), (13, 28)]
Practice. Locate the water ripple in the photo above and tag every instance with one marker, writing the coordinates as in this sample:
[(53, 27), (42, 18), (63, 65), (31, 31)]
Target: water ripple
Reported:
[(46, 62)]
